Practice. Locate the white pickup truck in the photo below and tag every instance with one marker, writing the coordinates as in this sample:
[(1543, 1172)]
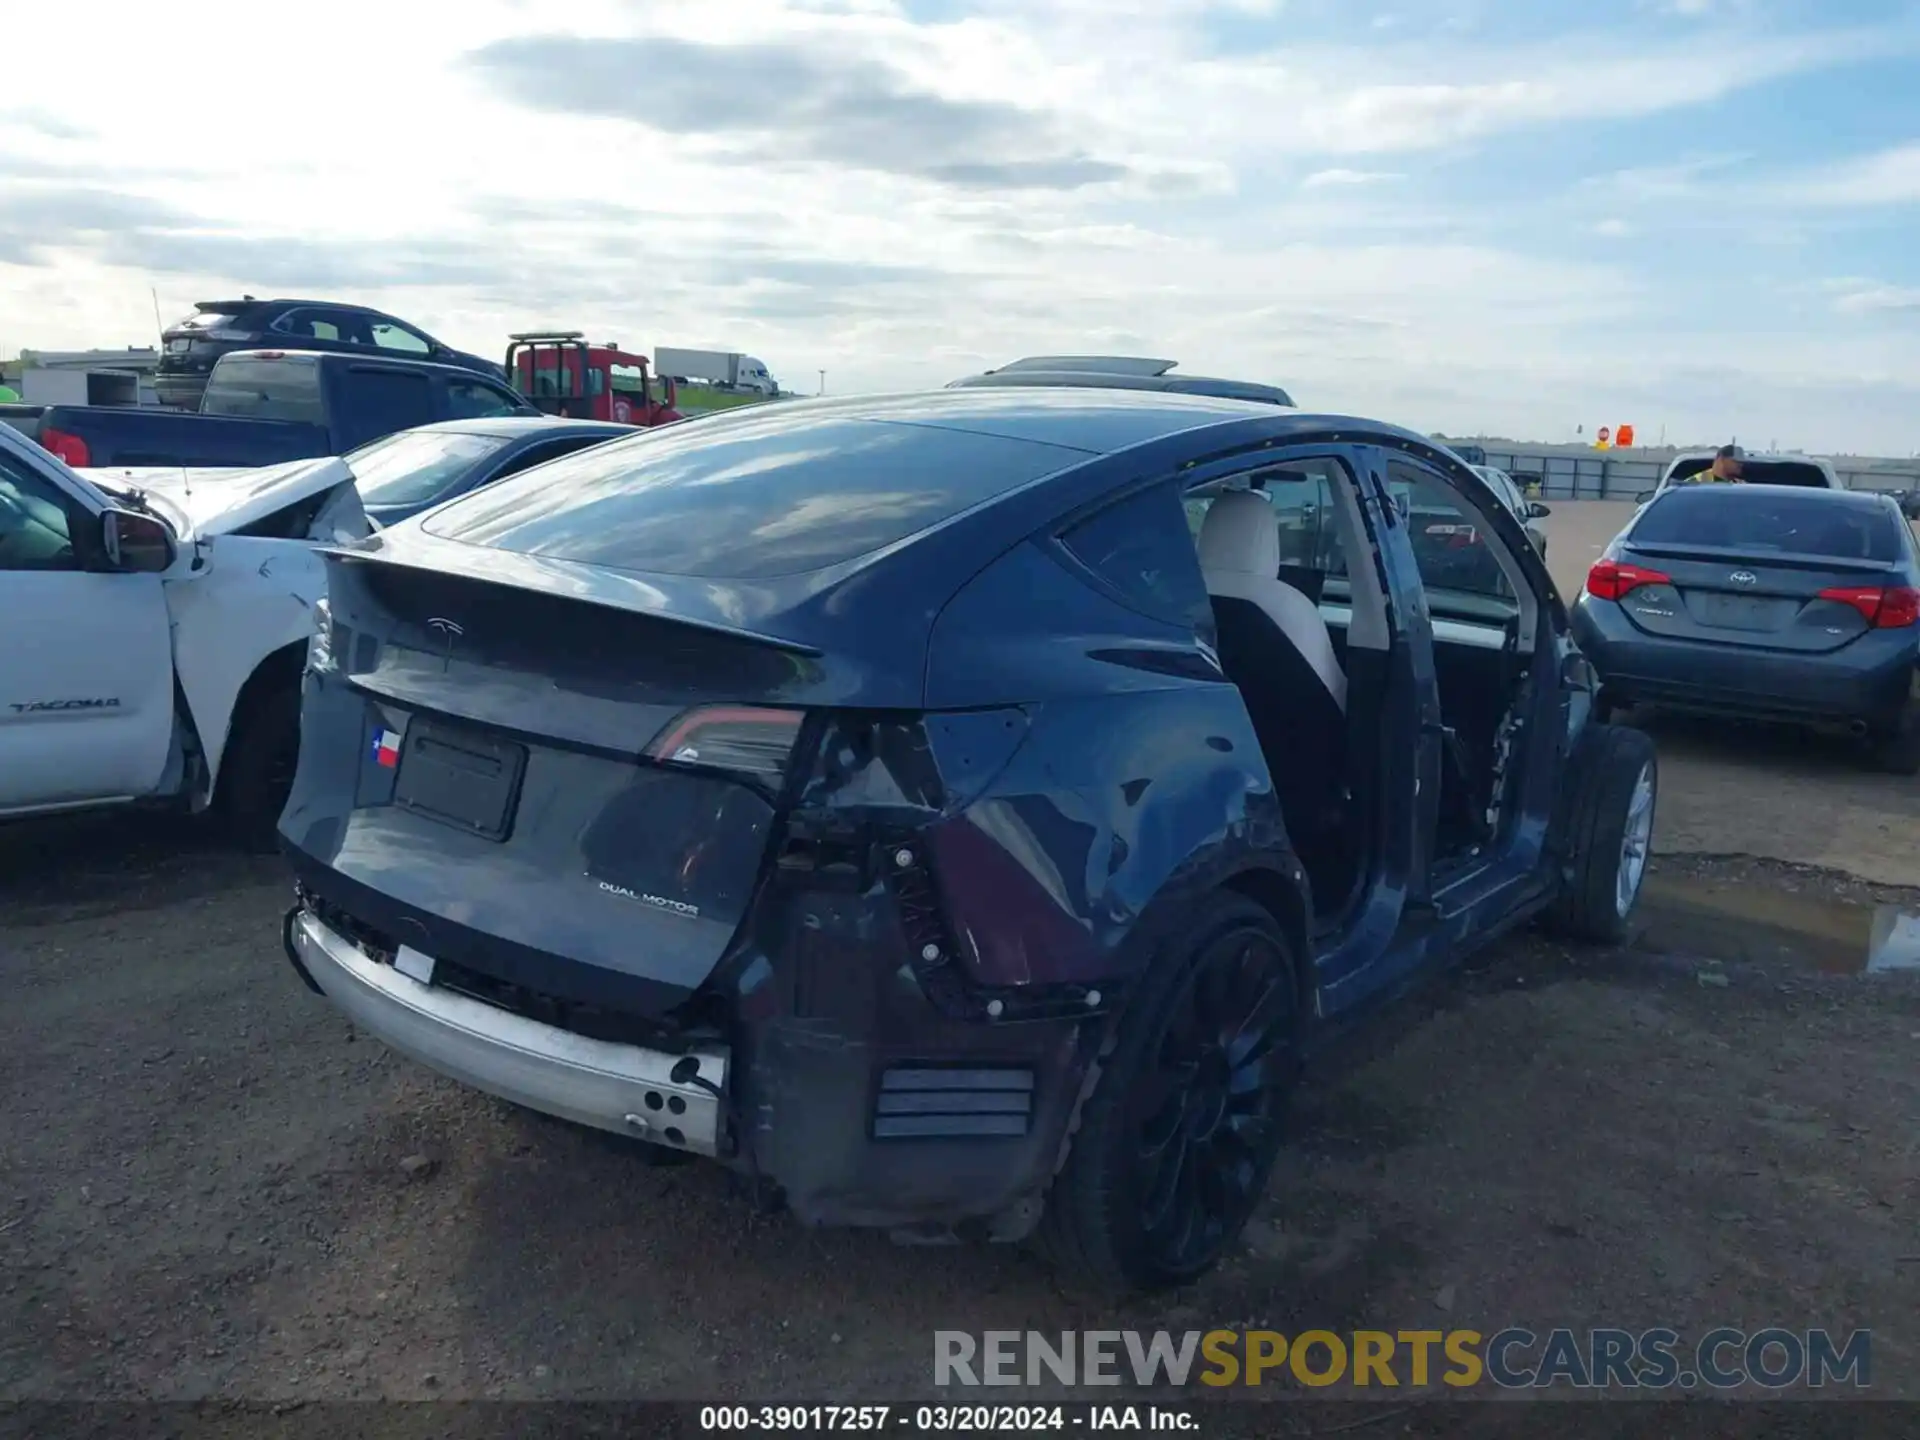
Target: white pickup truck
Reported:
[(153, 627), (1757, 469)]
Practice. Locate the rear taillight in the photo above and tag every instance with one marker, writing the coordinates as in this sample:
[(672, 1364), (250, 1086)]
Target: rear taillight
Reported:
[(70, 448), (745, 740), (1614, 580), (1891, 607)]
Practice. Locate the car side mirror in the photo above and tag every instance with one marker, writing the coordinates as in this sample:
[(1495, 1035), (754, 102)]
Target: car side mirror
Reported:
[(1644, 496), (136, 544), (1537, 511)]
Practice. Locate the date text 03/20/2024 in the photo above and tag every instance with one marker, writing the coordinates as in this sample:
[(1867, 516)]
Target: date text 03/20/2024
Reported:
[(940, 1419)]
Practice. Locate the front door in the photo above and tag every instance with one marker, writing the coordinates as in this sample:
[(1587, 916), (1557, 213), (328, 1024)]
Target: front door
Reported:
[(1413, 702), (86, 660)]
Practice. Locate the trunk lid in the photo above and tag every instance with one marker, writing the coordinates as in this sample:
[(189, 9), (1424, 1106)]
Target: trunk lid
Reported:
[(1727, 597), (541, 779)]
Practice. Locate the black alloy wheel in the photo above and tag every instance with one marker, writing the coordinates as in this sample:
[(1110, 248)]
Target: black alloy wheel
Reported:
[(1176, 1143), (1207, 1109)]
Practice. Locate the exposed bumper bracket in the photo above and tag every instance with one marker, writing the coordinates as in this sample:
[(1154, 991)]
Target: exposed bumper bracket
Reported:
[(674, 1100)]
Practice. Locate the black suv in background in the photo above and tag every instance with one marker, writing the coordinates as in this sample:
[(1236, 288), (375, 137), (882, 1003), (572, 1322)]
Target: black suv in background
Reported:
[(189, 347)]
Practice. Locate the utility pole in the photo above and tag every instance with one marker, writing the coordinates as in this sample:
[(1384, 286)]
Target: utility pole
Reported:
[(823, 382)]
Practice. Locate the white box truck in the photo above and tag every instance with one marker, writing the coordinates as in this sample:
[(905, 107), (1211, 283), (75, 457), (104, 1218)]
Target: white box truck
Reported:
[(722, 369)]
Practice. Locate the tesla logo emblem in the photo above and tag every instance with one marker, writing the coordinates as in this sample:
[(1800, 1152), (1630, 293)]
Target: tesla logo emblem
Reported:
[(1744, 577), (449, 632)]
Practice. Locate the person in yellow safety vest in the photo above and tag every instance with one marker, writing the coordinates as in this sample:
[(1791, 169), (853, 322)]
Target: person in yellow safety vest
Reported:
[(1726, 466)]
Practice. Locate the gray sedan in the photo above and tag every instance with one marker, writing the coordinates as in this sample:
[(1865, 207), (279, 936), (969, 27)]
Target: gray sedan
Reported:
[(402, 474), (1764, 601)]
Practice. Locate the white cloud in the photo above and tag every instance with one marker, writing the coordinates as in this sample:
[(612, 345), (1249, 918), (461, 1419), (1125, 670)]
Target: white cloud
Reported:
[(1673, 180), (1891, 177), (1321, 178), (1698, 9), (1866, 298), (899, 202)]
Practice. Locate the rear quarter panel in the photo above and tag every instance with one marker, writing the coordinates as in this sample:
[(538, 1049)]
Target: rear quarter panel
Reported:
[(1139, 780)]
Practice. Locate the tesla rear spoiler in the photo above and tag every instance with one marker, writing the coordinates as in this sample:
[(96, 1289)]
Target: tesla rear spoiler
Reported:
[(609, 589)]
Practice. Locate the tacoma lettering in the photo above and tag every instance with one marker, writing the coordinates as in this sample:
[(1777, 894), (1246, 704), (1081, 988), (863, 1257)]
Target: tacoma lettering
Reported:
[(34, 707)]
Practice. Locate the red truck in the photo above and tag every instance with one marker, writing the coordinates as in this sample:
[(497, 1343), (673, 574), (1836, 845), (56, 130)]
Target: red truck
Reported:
[(563, 375)]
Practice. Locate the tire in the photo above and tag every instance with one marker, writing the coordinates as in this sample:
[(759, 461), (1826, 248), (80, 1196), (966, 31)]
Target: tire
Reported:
[(256, 771), (1897, 751), (1231, 959), (1608, 829)]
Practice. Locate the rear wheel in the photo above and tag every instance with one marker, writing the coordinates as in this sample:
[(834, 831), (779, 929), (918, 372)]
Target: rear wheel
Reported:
[(1609, 834), (256, 771), (1177, 1140)]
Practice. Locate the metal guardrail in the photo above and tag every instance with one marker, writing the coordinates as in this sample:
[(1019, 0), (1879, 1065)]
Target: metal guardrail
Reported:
[(1601, 476)]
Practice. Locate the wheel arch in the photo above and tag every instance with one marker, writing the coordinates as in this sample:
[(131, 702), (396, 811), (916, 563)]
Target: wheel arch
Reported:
[(1284, 897), (277, 670), (1270, 877)]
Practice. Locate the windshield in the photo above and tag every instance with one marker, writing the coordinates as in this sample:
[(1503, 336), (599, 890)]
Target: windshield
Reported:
[(1502, 483), (262, 389), (205, 320), (1784, 523), (416, 465), (1754, 472)]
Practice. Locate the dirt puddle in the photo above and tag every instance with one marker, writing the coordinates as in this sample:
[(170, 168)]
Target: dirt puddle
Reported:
[(1741, 921)]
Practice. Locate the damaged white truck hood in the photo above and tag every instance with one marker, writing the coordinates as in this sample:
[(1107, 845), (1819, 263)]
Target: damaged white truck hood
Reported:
[(207, 502), (241, 604)]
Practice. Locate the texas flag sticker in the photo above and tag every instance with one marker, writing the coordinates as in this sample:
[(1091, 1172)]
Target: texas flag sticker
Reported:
[(386, 749)]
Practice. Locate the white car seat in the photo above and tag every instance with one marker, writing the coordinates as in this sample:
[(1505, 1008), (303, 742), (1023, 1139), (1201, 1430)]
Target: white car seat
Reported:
[(1240, 559)]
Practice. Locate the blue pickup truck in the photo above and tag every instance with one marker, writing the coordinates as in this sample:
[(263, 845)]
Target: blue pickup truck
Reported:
[(262, 407)]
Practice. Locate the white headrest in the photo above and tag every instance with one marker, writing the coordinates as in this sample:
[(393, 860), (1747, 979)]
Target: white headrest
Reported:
[(1240, 536)]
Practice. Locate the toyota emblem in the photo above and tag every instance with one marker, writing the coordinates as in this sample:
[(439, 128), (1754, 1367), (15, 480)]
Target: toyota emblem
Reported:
[(1744, 577)]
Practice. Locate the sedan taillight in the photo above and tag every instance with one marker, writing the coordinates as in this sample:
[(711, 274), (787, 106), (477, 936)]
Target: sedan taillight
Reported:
[(1891, 607), (1615, 580)]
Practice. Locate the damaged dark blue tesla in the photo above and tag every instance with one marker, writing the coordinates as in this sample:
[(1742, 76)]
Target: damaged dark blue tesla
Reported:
[(958, 812)]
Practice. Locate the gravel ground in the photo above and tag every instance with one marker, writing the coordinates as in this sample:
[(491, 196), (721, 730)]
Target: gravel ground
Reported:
[(210, 1187)]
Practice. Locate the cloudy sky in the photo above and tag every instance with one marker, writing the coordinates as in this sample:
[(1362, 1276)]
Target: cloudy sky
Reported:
[(1510, 216)]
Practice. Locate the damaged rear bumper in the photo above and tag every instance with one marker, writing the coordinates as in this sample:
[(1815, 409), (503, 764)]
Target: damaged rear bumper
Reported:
[(673, 1099), (886, 1115)]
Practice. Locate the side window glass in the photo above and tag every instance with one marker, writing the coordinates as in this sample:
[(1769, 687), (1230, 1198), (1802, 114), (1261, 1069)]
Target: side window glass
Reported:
[(541, 454), (35, 531), (1140, 547), (309, 325), (379, 402), (1452, 545), (389, 336), (471, 400), (1302, 494)]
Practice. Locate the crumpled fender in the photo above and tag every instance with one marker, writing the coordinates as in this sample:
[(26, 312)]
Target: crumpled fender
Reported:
[(248, 599)]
